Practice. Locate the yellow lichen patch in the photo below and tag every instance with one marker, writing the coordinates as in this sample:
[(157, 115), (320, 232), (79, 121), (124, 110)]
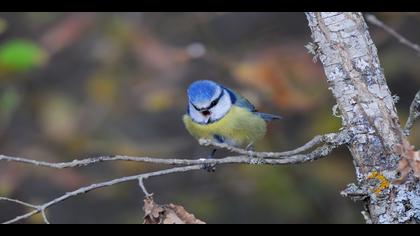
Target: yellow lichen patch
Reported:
[(383, 181)]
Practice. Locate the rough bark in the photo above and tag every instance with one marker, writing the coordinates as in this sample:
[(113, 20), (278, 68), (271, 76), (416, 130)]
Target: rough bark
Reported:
[(343, 45)]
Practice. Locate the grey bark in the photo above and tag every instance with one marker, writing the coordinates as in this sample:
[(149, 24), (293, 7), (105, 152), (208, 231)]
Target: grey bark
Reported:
[(343, 45)]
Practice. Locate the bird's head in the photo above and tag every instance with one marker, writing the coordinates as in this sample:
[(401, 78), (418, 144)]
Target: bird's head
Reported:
[(208, 101)]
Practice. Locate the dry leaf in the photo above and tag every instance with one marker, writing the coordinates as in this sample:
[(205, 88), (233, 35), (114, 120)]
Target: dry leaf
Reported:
[(167, 214), (410, 161)]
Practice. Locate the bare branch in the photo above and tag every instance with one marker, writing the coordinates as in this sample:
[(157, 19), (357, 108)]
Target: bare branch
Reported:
[(143, 188), (43, 207), (22, 217), (375, 21), (331, 141), (89, 161), (332, 138), (326, 138), (414, 114), (44, 217), (18, 202), (36, 210)]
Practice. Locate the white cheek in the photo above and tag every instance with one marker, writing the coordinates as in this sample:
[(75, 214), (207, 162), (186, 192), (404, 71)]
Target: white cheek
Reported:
[(220, 110), (197, 116), (216, 113)]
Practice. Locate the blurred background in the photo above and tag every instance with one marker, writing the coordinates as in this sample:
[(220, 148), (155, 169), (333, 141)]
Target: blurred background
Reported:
[(78, 85)]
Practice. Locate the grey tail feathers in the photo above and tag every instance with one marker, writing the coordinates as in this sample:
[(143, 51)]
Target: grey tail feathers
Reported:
[(268, 117)]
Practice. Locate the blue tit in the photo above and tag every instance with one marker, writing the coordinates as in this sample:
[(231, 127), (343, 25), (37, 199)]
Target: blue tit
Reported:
[(220, 114)]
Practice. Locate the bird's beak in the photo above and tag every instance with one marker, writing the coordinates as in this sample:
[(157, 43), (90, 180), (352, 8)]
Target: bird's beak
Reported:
[(205, 112)]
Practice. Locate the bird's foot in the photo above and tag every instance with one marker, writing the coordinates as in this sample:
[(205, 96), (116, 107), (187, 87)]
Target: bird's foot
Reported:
[(256, 160), (209, 167), (253, 160)]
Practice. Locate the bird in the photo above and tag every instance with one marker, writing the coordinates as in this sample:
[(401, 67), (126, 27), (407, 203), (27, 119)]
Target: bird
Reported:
[(220, 114)]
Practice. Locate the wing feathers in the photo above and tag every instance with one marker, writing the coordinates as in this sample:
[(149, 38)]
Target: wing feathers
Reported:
[(268, 117)]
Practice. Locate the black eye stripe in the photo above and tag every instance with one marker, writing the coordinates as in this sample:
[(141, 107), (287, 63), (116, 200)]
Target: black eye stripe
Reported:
[(212, 104), (195, 107), (215, 101)]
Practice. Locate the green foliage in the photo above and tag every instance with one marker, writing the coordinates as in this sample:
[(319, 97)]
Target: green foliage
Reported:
[(21, 55)]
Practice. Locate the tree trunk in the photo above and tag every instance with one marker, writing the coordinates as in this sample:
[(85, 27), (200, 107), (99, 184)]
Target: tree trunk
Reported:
[(356, 79)]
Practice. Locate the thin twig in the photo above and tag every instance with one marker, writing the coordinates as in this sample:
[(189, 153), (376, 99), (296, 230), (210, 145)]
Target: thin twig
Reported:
[(18, 202), (414, 114), (288, 155), (326, 138), (143, 188), (332, 141), (375, 21), (43, 207), (22, 217), (300, 158), (36, 210), (44, 217), (293, 159)]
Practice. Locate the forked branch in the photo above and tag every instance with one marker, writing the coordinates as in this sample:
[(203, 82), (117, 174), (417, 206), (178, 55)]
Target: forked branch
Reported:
[(329, 143)]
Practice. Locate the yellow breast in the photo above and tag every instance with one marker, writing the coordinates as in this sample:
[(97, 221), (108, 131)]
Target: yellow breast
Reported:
[(239, 127)]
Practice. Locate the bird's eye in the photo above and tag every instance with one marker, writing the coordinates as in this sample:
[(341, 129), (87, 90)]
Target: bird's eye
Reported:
[(213, 103)]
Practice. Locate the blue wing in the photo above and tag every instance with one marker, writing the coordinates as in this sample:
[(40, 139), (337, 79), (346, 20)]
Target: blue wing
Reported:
[(240, 101), (268, 117)]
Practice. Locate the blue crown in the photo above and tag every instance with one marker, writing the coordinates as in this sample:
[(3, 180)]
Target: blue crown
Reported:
[(202, 91)]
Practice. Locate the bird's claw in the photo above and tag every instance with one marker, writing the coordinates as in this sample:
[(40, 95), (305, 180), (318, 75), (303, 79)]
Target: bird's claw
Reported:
[(256, 160), (253, 160), (209, 167)]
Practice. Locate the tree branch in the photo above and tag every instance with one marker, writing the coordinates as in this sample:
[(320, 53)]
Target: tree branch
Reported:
[(326, 138), (331, 141), (375, 21), (415, 105), (18, 202), (414, 114), (43, 207), (143, 188), (367, 109), (27, 215), (44, 217), (288, 157)]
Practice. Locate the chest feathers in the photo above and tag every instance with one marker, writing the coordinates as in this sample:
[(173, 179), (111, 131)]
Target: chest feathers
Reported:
[(237, 127)]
